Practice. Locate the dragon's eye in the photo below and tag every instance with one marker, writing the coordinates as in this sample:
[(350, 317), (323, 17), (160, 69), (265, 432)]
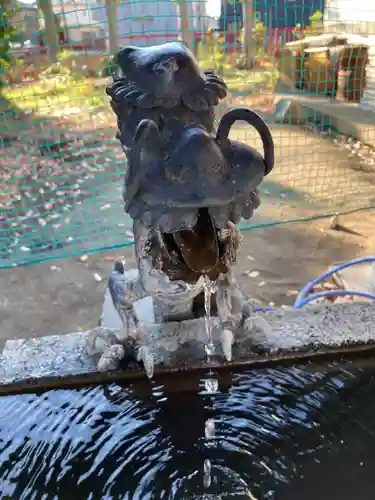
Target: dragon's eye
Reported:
[(181, 63), (151, 68)]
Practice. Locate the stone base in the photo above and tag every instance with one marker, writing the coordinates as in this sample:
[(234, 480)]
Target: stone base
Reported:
[(295, 336)]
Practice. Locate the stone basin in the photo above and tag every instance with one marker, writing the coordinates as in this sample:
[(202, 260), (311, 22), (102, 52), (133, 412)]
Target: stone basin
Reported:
[(295, 336)]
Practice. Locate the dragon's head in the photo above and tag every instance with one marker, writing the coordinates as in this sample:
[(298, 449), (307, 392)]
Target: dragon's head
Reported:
[(185, 188), (164, 71), (189, 200), (164, 76)]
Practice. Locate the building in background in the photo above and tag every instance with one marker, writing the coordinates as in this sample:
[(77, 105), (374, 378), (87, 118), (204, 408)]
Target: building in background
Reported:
[(76, 23), (351, 16), (231, 15), (356, 17), (80, 23), (275, 14), (231, 23), (26, 19), (141, 22), (286, 14), (84, 24)]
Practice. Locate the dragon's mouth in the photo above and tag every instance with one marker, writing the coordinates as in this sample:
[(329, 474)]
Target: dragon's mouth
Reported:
[(187, 254)]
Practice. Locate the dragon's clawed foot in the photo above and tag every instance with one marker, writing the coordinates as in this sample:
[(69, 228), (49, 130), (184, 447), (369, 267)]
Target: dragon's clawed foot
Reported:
[(144, 355), (111, 358), (257, 322), (117, 352), (235, 311), (104, 342), (136, 350), (250, 323)]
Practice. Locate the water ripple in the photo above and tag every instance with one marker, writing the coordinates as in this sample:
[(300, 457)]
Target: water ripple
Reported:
[(246, 442)]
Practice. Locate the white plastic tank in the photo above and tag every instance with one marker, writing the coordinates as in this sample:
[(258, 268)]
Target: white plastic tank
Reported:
[(368, 98), (372, 278)]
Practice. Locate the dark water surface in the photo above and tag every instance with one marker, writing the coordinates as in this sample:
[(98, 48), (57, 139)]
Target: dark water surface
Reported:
[(285, 434)]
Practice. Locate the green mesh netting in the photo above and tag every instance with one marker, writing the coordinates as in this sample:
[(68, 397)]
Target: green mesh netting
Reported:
[(61, 169)]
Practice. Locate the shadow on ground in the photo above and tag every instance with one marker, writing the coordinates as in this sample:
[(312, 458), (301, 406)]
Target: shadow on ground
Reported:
[(66, 295)]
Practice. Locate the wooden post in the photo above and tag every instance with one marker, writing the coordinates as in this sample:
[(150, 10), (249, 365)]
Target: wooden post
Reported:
[(249, 36), (269, 33), (111, 7), (51, 40)]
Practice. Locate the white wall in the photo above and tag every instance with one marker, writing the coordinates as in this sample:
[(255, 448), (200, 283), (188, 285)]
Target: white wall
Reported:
[(75, 35), (76, 17), (138, 18), (156, 18), (355, 16), (368, 99)]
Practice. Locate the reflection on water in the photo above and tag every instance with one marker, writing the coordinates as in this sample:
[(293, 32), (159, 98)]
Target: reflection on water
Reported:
[(286, 434)]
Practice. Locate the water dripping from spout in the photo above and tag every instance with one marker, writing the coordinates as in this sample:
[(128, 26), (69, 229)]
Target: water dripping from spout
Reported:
[(207, 473), (209, 430), (208, 287), (211, 384)]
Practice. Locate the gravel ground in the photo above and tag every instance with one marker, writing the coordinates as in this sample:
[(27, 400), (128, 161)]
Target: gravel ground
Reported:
[(66, 295)]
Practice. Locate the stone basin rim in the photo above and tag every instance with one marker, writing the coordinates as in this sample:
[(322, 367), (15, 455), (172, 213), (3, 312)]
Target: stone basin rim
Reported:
[(354, 338), (77, 381)]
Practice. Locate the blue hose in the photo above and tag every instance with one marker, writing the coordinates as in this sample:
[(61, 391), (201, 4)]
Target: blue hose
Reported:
[(302, 298), (333, 293)]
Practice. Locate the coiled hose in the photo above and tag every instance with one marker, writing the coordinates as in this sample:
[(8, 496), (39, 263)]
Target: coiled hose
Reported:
[(303, 298)]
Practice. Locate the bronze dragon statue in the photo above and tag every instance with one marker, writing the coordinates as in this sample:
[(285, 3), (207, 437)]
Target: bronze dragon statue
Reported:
[(187, 185)]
